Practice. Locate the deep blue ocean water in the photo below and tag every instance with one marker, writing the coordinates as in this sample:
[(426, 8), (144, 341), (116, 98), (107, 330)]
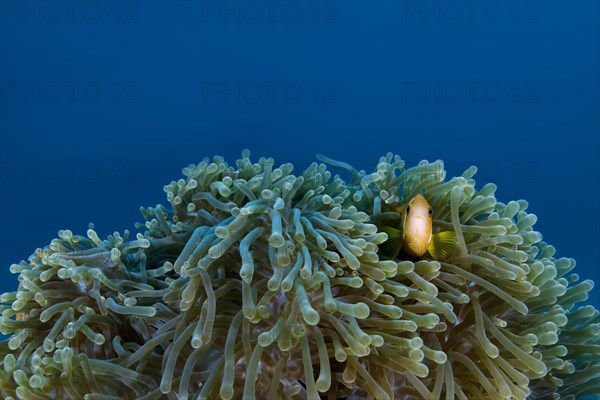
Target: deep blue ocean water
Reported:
[(104, 102)]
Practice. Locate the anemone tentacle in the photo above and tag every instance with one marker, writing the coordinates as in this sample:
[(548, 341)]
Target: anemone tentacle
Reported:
[(257, 283)]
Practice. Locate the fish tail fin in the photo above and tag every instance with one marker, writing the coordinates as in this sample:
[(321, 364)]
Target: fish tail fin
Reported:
[(392, 246), (442, 245)]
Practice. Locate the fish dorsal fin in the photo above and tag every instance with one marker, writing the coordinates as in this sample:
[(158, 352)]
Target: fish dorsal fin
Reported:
[(442, 245), (392, 246)]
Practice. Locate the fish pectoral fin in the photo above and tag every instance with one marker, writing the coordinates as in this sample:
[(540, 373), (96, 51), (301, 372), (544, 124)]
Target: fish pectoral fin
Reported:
[(392, 246), (442, 245)]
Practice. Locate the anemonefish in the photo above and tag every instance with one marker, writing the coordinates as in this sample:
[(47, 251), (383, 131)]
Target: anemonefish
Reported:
[(415, 236)]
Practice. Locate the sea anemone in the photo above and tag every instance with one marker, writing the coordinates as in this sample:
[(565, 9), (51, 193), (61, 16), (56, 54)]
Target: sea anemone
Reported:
[(257, 283)]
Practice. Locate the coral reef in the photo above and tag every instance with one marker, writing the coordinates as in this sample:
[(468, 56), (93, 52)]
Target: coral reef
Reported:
[(257, 283)]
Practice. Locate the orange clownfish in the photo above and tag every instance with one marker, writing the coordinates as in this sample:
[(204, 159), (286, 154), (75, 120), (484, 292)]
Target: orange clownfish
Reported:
[(416, 237)]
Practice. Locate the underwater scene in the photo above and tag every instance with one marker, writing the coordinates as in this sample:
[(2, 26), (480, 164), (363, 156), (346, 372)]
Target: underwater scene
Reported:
[(299, 200)]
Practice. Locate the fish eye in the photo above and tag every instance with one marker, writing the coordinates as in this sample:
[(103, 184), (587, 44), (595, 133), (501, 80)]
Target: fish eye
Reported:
[(407, 209), (430, 211)]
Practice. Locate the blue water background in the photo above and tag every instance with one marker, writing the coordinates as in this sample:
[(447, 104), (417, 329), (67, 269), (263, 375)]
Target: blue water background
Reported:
[(102, 105)]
